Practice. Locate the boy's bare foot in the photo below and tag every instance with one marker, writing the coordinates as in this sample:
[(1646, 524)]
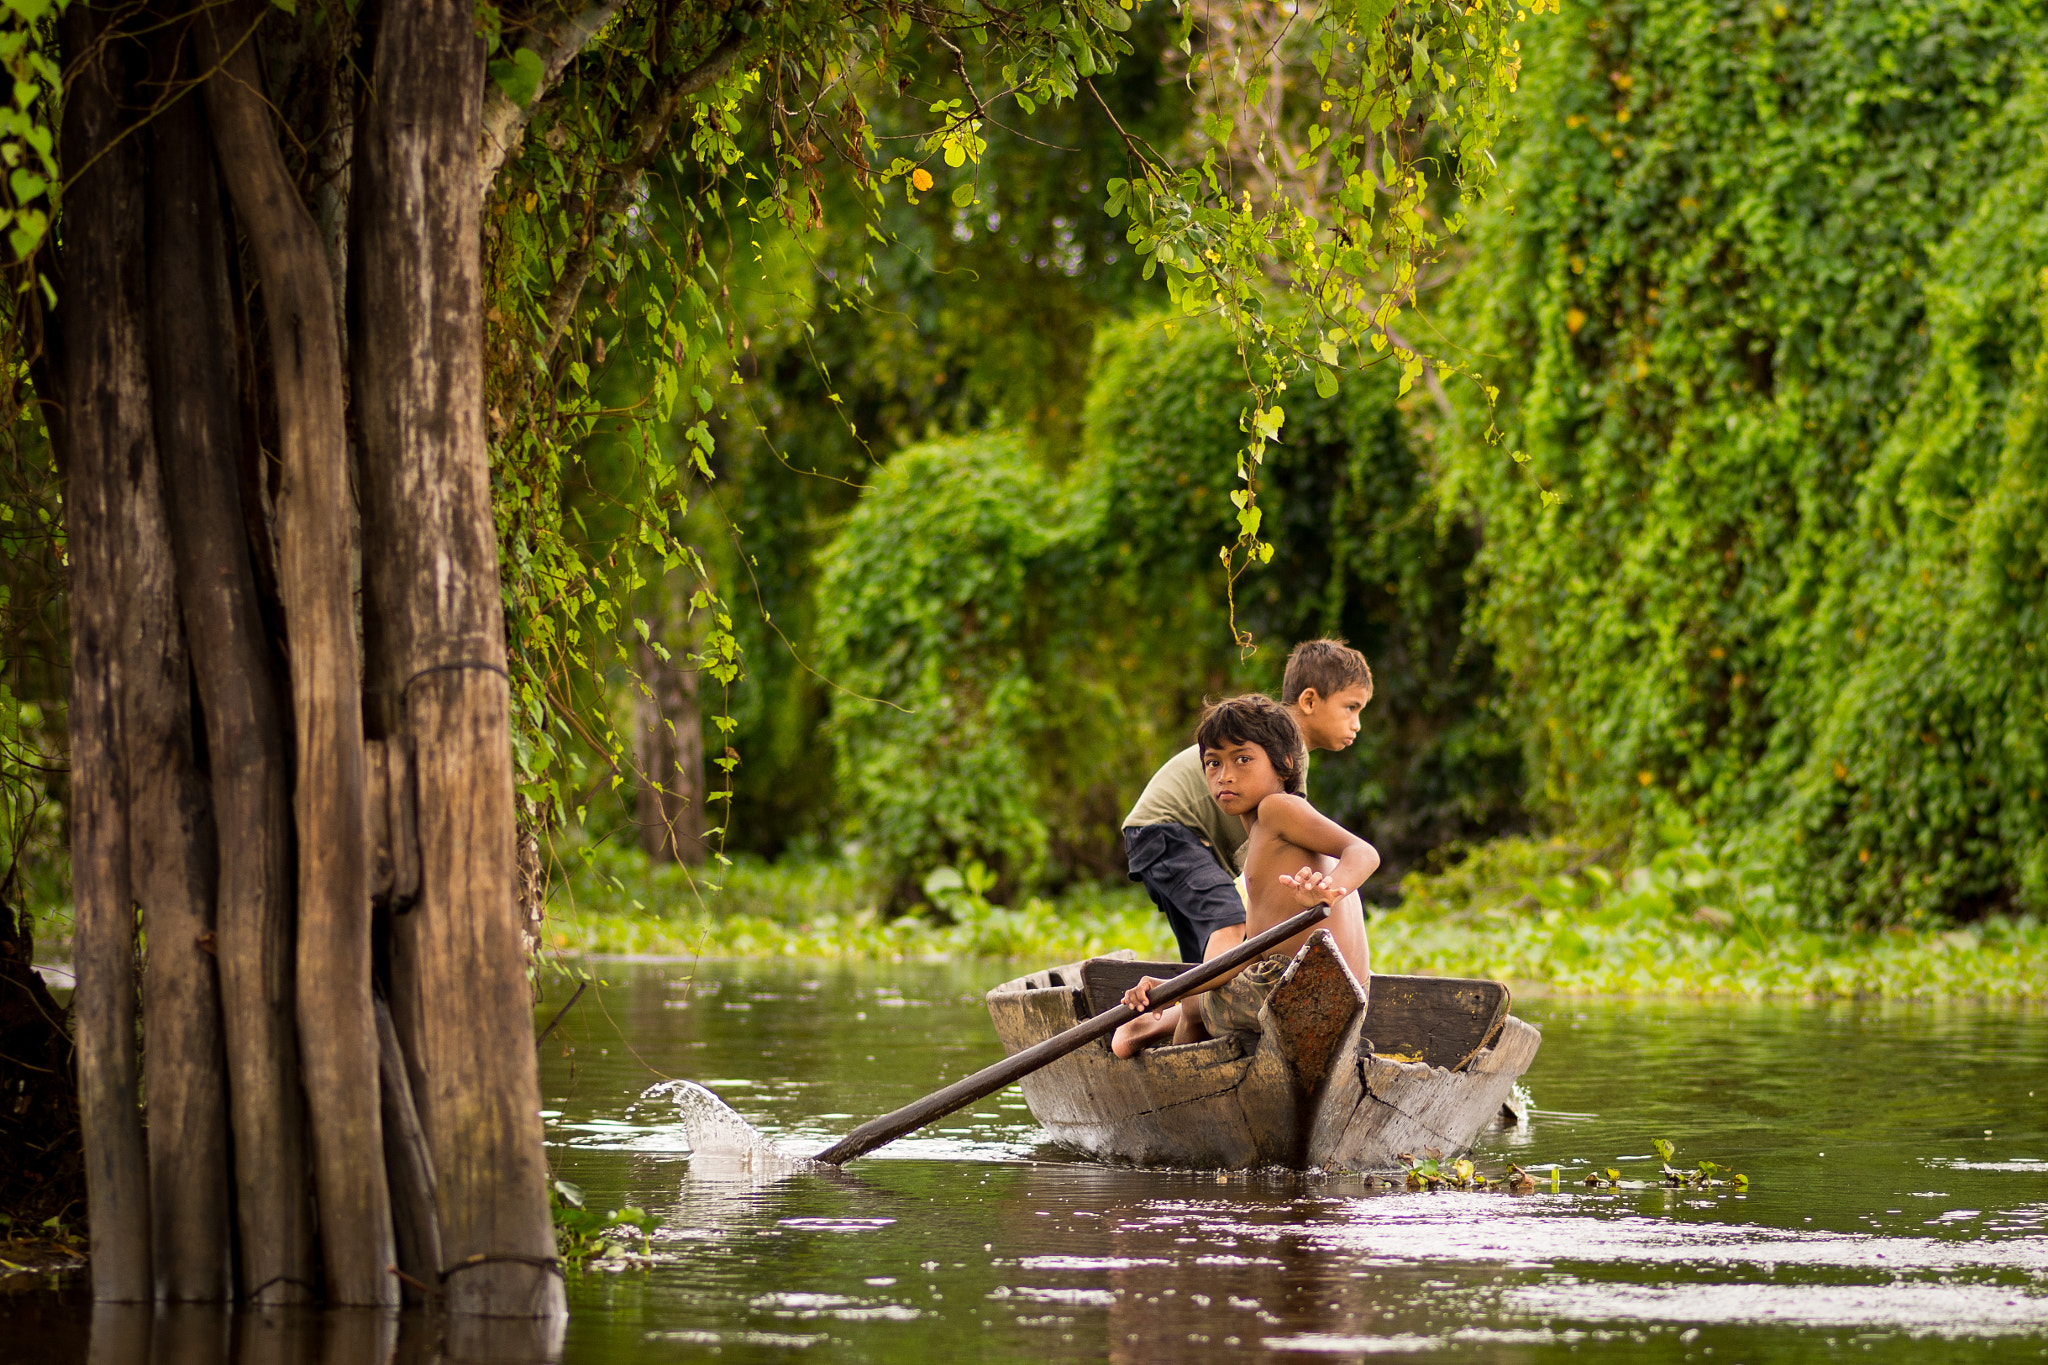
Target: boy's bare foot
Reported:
[(1145, 1031)]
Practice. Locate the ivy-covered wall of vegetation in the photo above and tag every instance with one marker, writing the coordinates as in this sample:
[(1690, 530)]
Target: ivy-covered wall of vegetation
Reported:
[(1763, 297)]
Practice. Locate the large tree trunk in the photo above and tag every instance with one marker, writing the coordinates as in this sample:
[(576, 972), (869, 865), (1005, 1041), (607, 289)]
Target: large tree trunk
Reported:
[(199, 430), (106, 423), (269, 1059), (337, 1028), (435, 651)]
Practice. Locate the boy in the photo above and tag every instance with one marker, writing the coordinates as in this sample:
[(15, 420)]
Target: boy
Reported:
[(1252, 760), (1179, 842)]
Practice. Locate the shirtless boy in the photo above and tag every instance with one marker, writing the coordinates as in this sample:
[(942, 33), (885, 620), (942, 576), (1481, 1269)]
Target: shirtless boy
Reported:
[(1252, 756), (1183, 847)]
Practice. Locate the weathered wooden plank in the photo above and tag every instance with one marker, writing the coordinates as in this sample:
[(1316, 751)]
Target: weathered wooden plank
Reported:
[(1407, 1106), (1313, 1006), (1438, 1021), (1206, 1132), (1105, 979), (1093, 1083), (1024, 1017)]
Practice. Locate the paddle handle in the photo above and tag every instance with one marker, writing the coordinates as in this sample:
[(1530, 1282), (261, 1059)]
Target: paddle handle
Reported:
[(990, 1079)]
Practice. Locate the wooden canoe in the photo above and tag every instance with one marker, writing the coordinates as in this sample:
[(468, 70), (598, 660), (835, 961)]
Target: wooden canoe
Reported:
[(1331, 1082)]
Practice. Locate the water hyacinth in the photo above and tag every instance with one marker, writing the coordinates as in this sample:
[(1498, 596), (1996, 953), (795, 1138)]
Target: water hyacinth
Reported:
[(1550, 915)]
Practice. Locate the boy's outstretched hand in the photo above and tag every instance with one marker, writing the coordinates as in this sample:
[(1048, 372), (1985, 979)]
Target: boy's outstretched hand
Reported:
[(1139, 997), (1315, 888)]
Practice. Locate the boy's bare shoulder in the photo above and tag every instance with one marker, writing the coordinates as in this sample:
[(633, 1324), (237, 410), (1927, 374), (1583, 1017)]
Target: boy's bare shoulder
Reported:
[(1284, 807)]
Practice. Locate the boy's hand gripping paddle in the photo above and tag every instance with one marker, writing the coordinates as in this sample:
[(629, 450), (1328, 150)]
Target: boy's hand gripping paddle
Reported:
[(988, 1080)]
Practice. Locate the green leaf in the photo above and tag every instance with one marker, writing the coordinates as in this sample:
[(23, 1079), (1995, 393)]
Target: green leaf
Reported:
[(963, 194), (520, 77), (1326, 382)]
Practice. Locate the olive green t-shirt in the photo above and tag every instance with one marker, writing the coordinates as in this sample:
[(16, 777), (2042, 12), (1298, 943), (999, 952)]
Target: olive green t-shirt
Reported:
[(1178, 794)]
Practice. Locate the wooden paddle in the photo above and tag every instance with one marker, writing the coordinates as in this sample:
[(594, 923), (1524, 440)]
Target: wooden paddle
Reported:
[(988, 1080)]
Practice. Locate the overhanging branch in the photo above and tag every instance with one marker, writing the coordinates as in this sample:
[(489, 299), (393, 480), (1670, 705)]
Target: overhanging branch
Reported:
[(504, 123)]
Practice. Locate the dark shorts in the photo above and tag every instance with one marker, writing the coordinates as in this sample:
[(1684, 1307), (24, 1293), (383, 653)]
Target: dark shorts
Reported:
[(1186, 882)]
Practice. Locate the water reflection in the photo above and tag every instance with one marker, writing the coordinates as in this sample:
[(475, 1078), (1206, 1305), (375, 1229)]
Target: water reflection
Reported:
[(1899, 1208), (200, 1334)]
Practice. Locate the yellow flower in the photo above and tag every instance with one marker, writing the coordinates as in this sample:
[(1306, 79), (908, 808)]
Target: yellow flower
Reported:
[(921, 178)]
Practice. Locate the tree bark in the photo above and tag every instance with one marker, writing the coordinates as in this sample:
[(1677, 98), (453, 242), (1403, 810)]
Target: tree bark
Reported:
[(170, 839), (415, 1222), (337, 1029), (106, 425), (199, 430), (435, 651), (671, 789)]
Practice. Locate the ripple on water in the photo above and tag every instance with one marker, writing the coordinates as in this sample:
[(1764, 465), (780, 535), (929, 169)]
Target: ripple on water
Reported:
[(1915, 1308), (840, 1306)]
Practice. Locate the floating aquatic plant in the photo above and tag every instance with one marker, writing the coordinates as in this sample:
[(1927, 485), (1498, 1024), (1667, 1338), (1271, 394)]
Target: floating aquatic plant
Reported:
[(1705, 1175), (1432, 1172), (583, 1235)]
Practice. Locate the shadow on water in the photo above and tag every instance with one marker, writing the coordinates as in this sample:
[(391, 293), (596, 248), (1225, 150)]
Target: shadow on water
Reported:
[(1898, 1210)]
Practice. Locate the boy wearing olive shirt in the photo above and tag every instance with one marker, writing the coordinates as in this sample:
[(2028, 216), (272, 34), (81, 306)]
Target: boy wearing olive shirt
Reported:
[(1182, 845)]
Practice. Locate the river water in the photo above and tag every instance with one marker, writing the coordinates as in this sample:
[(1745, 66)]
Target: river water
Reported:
[(1897, 1211)]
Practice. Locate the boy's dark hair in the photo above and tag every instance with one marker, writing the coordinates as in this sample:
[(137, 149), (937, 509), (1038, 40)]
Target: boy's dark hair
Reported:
[(1256, 718), (1329, 666)]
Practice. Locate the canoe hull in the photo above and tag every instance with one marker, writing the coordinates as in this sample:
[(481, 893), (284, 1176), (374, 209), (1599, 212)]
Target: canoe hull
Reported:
[(1305, 1092)]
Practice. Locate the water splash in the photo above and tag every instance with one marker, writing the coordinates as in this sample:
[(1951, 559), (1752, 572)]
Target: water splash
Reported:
[(718, 1135)]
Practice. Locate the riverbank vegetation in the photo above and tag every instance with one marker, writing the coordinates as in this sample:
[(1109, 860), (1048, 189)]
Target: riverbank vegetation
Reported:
[(1541, 914)]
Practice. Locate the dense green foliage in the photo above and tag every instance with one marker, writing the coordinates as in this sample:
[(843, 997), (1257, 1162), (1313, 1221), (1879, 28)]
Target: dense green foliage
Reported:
[(655, 153), (1761, 287), (944, 622), (1368, 555), (1766, 312), (849, 354), (1017, 650), (1538, 913)]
